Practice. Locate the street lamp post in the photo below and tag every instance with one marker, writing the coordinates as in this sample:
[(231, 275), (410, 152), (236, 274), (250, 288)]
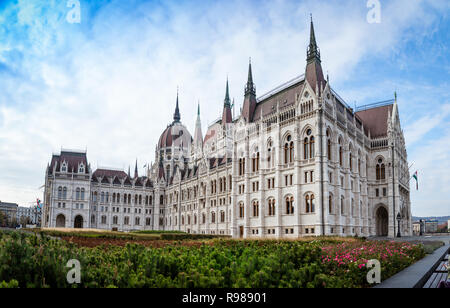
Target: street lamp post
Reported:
[(398, 229)]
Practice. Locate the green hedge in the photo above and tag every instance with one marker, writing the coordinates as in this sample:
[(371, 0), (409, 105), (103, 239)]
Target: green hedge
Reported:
[(32, 261)]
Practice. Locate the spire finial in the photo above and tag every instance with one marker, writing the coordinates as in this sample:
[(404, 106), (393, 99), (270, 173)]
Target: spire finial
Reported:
[(250, 88), (135, 170), (227, 102), (198, 108), (313, 50), (176, 115)]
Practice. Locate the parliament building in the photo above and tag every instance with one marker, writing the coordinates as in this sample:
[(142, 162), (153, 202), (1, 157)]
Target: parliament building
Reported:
[(296, 161)]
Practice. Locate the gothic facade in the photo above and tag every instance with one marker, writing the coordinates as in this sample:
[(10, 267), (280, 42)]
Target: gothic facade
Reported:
[(297, 161)]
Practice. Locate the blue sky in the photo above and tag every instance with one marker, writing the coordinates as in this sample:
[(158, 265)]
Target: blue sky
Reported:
[(108, 84)]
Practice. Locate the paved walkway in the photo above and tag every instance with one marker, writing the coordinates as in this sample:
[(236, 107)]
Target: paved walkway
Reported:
[(424, 238)]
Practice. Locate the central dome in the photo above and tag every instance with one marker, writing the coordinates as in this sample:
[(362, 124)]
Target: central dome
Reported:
[(177, 135)]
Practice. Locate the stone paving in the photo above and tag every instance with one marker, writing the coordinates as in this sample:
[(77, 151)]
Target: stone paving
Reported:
[(424, 238)]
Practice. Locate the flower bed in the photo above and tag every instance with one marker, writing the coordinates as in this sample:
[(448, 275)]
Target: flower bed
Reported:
[(349, 260), (30, 261)]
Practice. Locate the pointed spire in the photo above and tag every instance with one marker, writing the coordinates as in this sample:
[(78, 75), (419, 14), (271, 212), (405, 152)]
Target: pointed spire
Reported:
[(136, 170), (250, 96), (227, 101), (314, 72), (198, 136), (226, 114), (313, 49), (176, 115), (250, 88), (129, 172)]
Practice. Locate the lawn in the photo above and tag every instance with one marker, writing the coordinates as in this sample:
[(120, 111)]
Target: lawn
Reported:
[(27, 260)]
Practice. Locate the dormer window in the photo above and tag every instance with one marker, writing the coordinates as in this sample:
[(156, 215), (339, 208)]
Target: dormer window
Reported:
[(81, 168), (64, 167)]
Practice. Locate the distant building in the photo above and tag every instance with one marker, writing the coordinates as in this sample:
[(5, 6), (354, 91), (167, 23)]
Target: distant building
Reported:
[(448, 225), (10, 211), (431, 226), (416, 227), (30, 213)]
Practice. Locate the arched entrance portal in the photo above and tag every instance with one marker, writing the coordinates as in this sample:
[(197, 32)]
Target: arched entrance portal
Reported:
[(60, 221), (78, 224), (382, 218)]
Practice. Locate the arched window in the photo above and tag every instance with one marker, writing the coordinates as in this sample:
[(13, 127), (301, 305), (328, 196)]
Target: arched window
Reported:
[(203, 218), (342, 205), (271, 207), (93, 219), (305, 148), (286, 153), (213, 217), (77, 193), (115, 220), (270, 155), (255, 208), (341, 153), (137, 221), (241, 210), (353, 208), (309, 203), (311, 147), (102, 197), (329, 149), (330, 204), (289, 205), (380, 170), (350, 161), (59, 192), (291, 152), (195, 219), (222, 216), (65, 193), (168, 172)]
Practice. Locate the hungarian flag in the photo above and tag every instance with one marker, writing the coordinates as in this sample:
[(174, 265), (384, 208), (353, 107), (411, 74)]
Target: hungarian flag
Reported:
[(416, 177)]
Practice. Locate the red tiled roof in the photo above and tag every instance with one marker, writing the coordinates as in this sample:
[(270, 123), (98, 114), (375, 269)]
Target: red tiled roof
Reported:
[(73, 159), (109, 173), (375, 120), (285, 97)]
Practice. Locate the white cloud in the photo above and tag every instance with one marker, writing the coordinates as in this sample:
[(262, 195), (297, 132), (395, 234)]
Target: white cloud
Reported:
[(417, 129), (432, 160), (111, 87)]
